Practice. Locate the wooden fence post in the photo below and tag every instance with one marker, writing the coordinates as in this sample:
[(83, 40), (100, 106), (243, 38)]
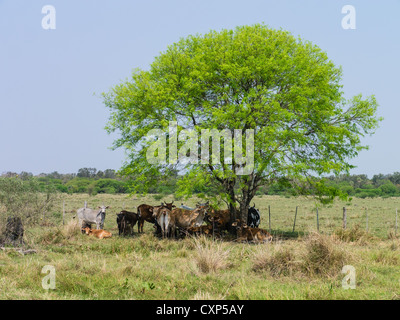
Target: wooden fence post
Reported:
[(295, 216), (63, 212), (395, 232), (366, 217), (344, 218), (269, 218), (317, 220)]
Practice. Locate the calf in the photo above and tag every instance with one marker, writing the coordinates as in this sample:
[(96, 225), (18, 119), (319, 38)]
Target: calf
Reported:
[(100, 234), (246, 233), (126, 220), (196, 231)]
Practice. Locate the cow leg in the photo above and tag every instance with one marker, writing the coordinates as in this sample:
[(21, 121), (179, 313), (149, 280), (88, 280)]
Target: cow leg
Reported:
[(140, 226), (124, 227), (81, 224)]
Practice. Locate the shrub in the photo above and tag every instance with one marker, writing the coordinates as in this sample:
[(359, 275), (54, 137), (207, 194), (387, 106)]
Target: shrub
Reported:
[(280, 262), (387, 257), (210, 256), (26, 199), (353, 234), (323, 255)]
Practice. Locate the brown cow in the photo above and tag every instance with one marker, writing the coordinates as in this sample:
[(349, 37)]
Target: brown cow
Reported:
[(184, 219), (101, 234), (196, 231), (169, 205), (220, 219), (146, 212), (246, 233)]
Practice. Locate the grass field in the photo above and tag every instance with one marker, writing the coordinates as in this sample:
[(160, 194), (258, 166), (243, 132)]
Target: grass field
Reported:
[(299, 265)]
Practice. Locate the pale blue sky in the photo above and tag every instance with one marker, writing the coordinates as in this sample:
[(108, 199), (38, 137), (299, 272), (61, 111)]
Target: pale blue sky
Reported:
[(51, 113)]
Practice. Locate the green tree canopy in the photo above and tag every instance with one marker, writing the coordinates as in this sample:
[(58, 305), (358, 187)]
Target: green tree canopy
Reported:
[(253, 77)]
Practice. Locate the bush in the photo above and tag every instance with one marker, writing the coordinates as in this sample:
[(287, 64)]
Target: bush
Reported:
[(388, 189), (109, 186), (353, 234), (78, 185), (25, 199), (281, 262), (211, 256), (323, 256)]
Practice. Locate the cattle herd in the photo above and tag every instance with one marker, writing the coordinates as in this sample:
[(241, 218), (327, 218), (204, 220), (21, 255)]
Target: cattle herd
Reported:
[(177, 222)]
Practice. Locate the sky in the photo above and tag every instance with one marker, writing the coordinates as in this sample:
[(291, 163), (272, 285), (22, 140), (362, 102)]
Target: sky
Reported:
[(52, 116)]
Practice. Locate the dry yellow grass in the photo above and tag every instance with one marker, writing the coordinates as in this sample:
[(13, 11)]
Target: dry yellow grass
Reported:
[(145, 267)]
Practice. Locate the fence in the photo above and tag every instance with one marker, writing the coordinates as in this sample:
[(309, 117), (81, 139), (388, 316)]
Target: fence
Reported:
[(281, 215), (300, 220)]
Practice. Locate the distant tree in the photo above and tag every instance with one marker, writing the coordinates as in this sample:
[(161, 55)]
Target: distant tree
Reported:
[(9, 174), (25, 175), (87, 172), (109, 174), (388, 188), (55, 175), (395, 178), (100, 174)]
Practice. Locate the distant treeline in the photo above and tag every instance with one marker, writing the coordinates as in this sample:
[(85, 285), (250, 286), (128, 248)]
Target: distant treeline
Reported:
[(92, 181)]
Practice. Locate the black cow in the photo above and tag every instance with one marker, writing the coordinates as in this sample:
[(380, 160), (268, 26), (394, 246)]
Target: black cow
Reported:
[(126, 220), (253, 217)]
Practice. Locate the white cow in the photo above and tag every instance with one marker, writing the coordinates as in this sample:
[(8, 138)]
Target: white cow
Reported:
[(88, 216)]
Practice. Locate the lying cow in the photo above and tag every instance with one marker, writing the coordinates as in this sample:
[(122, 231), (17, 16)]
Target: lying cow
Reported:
[(126, 220), (197, 231), (88, 216), (246, 233), (100, 234)]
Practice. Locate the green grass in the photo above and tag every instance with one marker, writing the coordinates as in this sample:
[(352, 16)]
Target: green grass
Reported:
[(299, 265)]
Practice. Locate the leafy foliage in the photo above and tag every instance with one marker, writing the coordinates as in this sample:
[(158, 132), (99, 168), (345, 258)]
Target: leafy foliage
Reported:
[(253, 77), (25, 198)]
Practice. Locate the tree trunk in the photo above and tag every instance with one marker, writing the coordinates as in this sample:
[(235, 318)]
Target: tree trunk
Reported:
[(14, 232)]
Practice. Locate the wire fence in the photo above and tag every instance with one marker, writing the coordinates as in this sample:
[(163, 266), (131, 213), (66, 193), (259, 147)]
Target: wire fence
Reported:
[(283, 216)]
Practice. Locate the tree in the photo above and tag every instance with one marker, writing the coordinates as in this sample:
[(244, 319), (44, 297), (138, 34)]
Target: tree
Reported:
[(255, 78), (86, 172), (110, 174), (26, 199)]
